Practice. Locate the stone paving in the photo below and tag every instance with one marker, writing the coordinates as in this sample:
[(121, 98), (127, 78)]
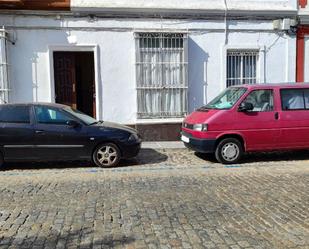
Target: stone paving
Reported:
[(162, 199)]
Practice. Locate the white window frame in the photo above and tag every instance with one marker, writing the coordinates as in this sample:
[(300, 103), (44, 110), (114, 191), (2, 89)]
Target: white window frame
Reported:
[(78, 48), (4, 68), (240, 56), (162, 119), (260, 70)]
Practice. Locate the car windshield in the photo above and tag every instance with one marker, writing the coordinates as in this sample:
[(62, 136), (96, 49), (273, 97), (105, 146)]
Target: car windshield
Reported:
[(226, 99), (82, 116)]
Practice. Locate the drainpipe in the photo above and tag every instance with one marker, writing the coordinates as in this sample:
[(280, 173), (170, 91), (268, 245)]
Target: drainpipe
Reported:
[(226, 25), (4, 74)]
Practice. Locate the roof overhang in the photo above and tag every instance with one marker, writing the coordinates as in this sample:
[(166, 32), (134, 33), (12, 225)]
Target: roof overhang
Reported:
[(178, 8)]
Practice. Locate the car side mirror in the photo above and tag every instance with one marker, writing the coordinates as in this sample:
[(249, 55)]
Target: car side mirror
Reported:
[(245, 107), (73, 123)]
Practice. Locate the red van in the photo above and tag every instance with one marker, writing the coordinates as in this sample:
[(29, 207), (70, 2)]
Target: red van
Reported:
[(249, 118)]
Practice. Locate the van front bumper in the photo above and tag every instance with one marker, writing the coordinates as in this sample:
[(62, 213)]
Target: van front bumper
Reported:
[(198, 145)]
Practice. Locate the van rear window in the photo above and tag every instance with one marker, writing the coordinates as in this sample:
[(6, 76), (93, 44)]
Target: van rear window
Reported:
[(294, 99)]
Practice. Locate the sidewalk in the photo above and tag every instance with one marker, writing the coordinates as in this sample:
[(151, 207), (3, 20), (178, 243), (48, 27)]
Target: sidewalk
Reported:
[(163, 145)]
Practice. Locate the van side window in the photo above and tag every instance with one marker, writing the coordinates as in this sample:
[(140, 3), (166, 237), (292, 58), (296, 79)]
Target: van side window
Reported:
[(294, 99), (14, 114), (306, 95), (262, 100)]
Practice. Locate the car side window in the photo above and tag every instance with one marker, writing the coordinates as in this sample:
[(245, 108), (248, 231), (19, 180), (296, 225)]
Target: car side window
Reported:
[(294, 99), (47, 115), (262, 100), (14, 114)]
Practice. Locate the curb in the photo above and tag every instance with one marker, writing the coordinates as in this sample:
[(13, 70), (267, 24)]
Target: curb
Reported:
[(163, 145)]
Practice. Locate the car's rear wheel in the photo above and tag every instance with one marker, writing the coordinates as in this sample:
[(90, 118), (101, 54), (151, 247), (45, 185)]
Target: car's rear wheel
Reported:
[(229, 151), (106, 155)]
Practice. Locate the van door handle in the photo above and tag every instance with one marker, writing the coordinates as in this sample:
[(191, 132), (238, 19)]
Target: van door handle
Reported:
[(276, 115), (39, 132)]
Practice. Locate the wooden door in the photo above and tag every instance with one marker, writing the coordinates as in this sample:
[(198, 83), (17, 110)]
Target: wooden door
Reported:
[(65, 78)]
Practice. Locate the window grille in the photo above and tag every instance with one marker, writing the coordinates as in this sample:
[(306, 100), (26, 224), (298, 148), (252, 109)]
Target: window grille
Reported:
[(4, 78), (241, 67), (161, 73)]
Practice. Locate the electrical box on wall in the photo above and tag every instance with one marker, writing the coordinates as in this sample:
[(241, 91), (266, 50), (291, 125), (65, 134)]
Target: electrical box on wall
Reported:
[(284, 24), (277, 24)]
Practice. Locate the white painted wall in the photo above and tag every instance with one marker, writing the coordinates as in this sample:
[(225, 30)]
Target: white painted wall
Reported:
[(191, 5), (277, 60), (114, 40)]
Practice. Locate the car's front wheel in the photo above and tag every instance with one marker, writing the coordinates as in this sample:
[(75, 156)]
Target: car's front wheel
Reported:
[(106, 155), (229, 151)]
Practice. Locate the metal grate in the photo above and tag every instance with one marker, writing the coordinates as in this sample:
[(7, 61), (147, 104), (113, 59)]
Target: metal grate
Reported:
[(241, 67), (161, 73), (4, 75)]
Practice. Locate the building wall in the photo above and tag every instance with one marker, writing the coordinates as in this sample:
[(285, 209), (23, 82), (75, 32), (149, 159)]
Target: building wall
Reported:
[(197, 6), (115, 51), (112, 41)]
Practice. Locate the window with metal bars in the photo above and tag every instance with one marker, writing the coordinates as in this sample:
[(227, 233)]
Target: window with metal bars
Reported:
[(161, 73), (4, 75), (241, 67)]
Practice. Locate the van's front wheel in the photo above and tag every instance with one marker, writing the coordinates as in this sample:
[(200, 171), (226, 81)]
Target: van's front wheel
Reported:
[(229, 151)]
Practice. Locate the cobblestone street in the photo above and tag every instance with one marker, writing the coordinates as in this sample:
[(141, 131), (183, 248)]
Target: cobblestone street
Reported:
[(163, 199)]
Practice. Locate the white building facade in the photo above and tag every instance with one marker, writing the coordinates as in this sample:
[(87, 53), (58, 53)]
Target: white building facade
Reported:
[(145, 63)]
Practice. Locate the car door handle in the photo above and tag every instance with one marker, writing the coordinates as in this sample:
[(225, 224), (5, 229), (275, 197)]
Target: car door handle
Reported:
[(39, 132), (276, 115)]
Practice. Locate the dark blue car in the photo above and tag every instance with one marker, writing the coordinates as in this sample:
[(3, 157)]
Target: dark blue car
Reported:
[(53, 132)]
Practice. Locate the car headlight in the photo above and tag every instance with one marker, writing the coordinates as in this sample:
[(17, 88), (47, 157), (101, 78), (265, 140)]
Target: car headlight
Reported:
[(200, 127), (133, 137)]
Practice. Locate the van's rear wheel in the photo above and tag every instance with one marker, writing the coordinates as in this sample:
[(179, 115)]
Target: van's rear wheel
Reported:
[(229, 151)]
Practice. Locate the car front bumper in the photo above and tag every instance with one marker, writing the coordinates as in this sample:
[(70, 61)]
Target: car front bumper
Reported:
[(131, 150), (198, 145)]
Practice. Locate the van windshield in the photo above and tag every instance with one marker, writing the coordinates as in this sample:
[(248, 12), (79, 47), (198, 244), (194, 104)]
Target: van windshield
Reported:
[(227, 99)]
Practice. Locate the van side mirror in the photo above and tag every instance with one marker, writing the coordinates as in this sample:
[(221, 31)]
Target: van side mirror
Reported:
[(245, 107), (73, 123)]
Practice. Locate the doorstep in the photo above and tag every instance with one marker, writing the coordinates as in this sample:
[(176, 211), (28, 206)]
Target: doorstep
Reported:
[(163, 145)]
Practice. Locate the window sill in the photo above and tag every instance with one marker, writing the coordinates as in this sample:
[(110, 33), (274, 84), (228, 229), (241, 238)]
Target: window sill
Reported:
[(160, 121)]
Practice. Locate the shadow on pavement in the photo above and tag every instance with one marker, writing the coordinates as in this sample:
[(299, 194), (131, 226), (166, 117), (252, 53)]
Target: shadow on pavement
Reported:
[(54, 239), (46, 165), (276, 156), (264, 156), (146, 156), (206, 156)]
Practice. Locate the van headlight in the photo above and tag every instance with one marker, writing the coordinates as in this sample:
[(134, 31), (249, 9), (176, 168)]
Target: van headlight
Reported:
[(200, 127)]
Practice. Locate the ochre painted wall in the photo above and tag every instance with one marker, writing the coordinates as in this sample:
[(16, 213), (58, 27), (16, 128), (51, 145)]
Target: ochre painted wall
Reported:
[(35, 4)]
